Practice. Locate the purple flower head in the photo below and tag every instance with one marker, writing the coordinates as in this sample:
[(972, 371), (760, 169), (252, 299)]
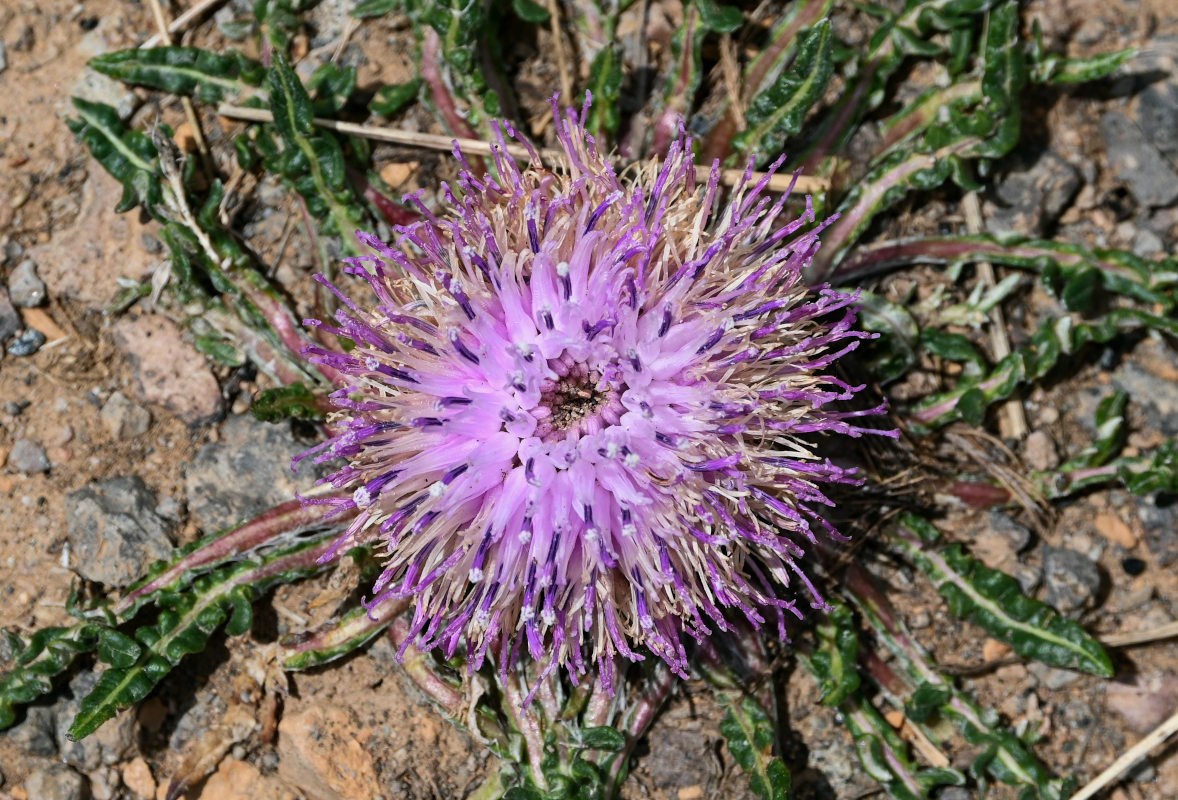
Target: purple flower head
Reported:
[(579, 406)]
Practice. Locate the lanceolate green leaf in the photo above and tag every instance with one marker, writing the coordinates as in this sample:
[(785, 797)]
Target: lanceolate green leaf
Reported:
[(336, 639), (205, 75), (311, 159), (290, 103), (1054, 339), (126, 154), (1121, 271), (994, 601), (779, 111), (37, 660), (1052, 68), (1003, 755), (184, 627), (719, 18), (835, 662), (751, 737)]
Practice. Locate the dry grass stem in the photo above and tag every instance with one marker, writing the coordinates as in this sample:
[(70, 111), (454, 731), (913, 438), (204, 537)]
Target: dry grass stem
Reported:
[(431, 141), (1127, 759), (1132, 638), (562, 56), (202, 146), (1012, 408), (180, 23)]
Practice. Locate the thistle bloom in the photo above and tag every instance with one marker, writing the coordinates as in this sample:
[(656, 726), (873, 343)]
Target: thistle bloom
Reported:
[(578, 406)]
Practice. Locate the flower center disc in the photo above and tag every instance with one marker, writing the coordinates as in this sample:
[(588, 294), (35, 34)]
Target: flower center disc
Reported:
[(571, 400)]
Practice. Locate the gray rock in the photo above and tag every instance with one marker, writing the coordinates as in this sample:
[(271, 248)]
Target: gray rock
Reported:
[(1027, 576), (10, 321), (24, 286), (172, 509), (1033, 194), (245, 473), (1053, 678), (1157, 114), (124, 419), (1016, 535), (108, 745), (1148, 176), (3, 64), (169, 369), (1158, 397), (98, 88), (28, 457), (1072, 579), (328, 20), (1146, 243), (27, 343), (11, 251), (1159, 522), (114, 531), (57, 782), (36, 736)]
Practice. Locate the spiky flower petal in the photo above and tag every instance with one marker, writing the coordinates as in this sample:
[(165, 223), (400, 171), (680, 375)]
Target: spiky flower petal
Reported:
[(579, 407)]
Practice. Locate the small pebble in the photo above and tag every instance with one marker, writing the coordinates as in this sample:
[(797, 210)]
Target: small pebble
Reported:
[(1039, 451), (56, 782), (27, 343), (25, 287), (14, 409), (1072, 579), (28, 457)]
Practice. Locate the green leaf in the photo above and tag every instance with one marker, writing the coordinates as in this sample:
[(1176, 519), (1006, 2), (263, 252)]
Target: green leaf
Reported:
[(750, 735), (1055, 69), (334, 639), (184, 628), (881, 751), (894, 352), (951, 346), (376, 8), (529, 11), (926, 701), (126, 154), (219, 349), (331, 85), (835, 662), (779, 111), (1157, 472), (1004, 755), (1055, 338), (37, 660), (972, 406), (290, 103), (719, 18), (390, 99), (1110, 434), (603, 737), (117, 649), (288, 402), (605, 84), (1080, 290), (207, 76), (994, 601)]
